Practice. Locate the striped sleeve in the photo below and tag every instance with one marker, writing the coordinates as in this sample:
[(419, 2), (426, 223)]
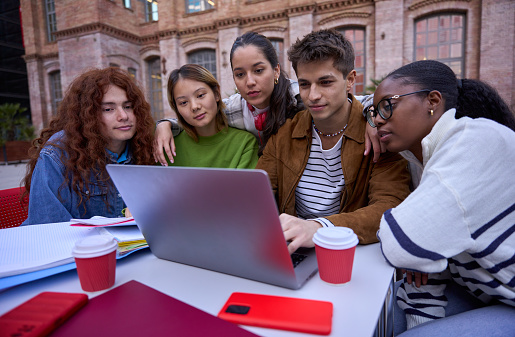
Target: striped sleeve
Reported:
[(425, 303)]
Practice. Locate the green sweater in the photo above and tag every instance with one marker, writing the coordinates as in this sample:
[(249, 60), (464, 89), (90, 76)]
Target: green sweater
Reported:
[(229, 148)]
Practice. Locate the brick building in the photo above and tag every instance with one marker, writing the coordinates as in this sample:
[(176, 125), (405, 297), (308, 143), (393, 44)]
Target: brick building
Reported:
[(151, 38)]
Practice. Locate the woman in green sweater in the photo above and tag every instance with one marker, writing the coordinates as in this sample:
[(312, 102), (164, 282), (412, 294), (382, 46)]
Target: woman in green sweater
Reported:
[(194, 94)]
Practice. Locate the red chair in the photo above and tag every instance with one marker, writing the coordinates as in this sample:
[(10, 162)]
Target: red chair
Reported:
[(12, 211)]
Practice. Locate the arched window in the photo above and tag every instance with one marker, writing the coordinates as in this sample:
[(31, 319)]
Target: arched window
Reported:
[(155, 92), (356, 35), (441, 37), (56, 92), (205, 58)]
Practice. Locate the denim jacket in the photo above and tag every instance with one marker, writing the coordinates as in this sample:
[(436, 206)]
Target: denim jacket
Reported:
[(48, 204)]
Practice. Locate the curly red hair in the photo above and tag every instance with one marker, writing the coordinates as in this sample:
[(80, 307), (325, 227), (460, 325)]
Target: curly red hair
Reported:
[(79, 116)]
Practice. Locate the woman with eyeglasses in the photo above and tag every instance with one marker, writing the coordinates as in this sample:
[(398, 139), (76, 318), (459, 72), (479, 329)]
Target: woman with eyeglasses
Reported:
[(458, 225)]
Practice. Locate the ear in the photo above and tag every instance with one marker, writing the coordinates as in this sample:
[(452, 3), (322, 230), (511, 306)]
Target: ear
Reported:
[(277, 71), (435, 100), (351, 79), (217, 94)]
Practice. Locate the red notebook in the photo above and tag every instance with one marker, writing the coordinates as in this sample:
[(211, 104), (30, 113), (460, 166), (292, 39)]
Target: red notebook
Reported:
[(134, 309)]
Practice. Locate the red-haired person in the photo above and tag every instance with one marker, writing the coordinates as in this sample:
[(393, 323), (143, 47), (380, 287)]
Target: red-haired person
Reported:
[(103, 119)]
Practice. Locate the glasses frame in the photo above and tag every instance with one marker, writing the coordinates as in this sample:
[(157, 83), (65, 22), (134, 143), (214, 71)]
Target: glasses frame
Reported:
[(372, 111)]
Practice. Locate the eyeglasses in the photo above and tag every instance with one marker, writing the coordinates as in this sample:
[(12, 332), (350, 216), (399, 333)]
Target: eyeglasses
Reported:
[(385, 108)]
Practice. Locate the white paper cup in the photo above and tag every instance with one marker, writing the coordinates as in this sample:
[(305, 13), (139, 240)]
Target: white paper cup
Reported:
[(335, 247), (95, 257)]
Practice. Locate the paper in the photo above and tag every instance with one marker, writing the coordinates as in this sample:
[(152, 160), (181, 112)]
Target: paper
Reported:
[(129, 239), (98, 221), (122, 234), (29, 248)]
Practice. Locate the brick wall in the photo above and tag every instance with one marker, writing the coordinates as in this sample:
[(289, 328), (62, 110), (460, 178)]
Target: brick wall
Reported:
[(95, 33), (497, 55)]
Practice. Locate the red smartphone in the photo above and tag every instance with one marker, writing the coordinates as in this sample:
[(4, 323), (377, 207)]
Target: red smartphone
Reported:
[(40, 315), (277, 312)]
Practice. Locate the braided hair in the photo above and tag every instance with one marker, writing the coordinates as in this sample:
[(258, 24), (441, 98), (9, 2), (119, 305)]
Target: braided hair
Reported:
[(471, 98)]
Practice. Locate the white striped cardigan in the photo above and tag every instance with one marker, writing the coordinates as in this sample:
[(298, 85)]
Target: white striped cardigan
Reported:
[(459, 223)]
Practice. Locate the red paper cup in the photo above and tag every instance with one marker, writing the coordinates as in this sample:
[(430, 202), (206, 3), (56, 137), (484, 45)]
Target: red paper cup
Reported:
[(335, 247), (95, 257)]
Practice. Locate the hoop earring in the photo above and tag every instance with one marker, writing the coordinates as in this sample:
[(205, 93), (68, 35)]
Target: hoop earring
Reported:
[(276, 80)]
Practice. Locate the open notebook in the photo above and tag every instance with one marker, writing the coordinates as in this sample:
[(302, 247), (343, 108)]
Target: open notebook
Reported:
[(31, 252)]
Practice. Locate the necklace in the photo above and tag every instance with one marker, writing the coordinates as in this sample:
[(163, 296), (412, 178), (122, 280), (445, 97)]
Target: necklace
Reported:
[(329, 135)]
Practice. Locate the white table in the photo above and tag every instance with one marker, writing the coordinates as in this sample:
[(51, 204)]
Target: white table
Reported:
[(357, 304)]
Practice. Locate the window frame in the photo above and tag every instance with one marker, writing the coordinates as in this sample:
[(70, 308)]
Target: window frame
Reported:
[(362, 69), (278, 45), (50, 20), (207, 5), (155, 87), (151, 11), (56, 90), (132, 72), (438, 44), (208, 64)]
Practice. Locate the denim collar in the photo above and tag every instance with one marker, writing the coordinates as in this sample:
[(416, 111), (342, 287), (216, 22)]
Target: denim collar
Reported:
[(124, 158)]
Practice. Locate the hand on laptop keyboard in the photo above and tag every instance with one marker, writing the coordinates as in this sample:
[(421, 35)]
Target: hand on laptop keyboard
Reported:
[(298, 232)]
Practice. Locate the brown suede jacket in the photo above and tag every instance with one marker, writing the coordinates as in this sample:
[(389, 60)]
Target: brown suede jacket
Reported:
[(370, 189)]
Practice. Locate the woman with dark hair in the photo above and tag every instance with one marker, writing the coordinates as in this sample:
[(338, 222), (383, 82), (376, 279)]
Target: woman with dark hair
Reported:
[(194, 94), (103, 119), (266, 107), (265, 100), (457, 226)]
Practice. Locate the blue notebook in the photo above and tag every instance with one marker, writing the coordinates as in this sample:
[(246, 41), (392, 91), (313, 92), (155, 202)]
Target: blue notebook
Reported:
[(11, 281), (30, 253)]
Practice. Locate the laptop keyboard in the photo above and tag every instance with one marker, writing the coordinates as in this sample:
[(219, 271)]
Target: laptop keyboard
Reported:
[(297, 258)]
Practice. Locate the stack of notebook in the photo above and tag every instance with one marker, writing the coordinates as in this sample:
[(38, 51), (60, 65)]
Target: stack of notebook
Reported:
[(28, 253)]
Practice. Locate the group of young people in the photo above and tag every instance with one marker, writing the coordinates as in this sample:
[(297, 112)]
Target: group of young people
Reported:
[(450, 224)]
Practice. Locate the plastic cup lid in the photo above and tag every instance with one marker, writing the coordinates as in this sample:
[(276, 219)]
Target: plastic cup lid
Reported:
[(335, 238), (93, 246)]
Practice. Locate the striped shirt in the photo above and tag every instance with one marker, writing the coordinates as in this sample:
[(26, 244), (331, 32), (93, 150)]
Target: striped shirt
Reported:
[(459, 223), (319, 191)]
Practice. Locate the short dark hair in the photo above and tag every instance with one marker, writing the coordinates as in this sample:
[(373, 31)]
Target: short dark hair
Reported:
[(323, 45), (471, 98)]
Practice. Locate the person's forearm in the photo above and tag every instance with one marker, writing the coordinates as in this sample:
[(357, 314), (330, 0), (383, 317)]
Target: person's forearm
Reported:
[(174, 124)]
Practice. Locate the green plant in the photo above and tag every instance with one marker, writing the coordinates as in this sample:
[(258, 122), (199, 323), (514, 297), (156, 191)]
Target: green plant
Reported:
[(372, 88), (13, 125)]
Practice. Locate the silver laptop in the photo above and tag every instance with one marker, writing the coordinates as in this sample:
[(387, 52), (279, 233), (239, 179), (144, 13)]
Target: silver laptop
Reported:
[(225, 220)]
